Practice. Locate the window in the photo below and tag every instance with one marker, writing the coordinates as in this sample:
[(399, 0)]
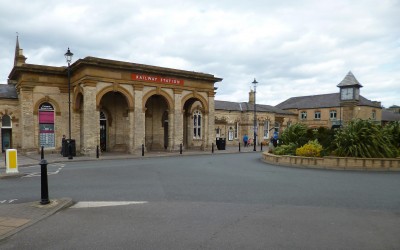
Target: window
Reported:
[(303, 115), (277, 125), (46, 125), (332, 114), (6, 121), (236, 130), (266, 130), (373, 115), (218, 132), (317, 115), (197, 124), (230, 134)]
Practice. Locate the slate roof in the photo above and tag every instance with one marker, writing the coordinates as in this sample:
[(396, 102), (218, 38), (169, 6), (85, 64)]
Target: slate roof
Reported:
[(245, 107), (390, 116), (319, 101), (8, 92), (349, 80)]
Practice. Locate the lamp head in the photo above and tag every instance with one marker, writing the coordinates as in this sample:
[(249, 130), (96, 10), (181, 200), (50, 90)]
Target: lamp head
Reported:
[(68, 56)]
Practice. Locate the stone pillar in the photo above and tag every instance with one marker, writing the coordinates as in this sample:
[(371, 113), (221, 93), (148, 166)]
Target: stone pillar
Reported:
[(177, 120), (28, 123), (139, 119), (90, 122), (171, 130), (211, 119), (131, 146)]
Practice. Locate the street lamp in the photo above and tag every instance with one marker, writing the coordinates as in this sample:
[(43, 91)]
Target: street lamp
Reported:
[(255, 115), (68, 57)]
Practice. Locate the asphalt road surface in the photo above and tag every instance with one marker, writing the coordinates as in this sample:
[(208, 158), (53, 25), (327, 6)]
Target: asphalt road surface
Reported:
[(230, 201)]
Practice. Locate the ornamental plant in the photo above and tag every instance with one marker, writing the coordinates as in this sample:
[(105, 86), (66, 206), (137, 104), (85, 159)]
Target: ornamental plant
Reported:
[(364, 138), (296, 134), (287, 149), (310, 149)]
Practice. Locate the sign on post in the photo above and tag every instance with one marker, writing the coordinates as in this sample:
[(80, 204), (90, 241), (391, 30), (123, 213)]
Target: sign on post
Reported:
[(11, 161)]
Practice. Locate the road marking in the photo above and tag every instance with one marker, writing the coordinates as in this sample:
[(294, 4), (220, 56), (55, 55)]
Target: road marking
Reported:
[(38, 174), (8, 201), (90, 204)]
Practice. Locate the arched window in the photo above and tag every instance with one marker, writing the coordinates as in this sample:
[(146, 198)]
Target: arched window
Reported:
[(197, 124), (46, 125), (6, 121), (230, 134)]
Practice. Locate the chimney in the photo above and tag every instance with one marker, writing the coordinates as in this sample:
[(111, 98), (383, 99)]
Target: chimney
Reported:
[(251, 97)]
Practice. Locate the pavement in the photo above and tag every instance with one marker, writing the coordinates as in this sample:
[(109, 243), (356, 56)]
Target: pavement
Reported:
[(16, 217)]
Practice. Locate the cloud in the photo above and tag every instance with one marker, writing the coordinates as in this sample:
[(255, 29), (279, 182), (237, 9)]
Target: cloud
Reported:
[(293, 48)]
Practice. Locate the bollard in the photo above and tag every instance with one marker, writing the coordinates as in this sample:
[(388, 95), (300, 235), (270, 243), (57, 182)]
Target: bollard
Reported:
[(142, 149), (261, 146), (180, 148), (97, 152), (239, 146), (44, 184), (42, 153), (212, 148), (11, 161)]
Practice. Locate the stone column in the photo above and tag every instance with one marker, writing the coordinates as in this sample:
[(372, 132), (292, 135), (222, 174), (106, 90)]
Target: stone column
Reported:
[(177, 120), (27, 123), (139, 119), (211, 119), (90, 122), (131, 146)]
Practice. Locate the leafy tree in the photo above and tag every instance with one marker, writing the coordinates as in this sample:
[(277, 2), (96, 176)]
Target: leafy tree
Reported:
[(363, 138)]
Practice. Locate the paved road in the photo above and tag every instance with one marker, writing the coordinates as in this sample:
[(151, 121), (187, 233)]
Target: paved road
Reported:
[(212, 202)]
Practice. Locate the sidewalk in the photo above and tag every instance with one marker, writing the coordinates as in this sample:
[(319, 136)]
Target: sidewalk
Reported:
[(16, 217)]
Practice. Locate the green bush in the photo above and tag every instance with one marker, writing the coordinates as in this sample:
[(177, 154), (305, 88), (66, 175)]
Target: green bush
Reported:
[(392, 131), (310, 149), (364, 138), (289, 149), (296, 134)]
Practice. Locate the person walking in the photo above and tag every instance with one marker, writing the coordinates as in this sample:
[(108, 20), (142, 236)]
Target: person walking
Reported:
[(245, 140)]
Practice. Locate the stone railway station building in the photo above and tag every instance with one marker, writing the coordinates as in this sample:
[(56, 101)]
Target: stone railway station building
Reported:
[(121, 106)]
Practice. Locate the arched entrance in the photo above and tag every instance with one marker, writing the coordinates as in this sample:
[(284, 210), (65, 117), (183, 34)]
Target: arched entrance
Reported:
[(156, 123), (193, 124), (6, 132), (114, 122)]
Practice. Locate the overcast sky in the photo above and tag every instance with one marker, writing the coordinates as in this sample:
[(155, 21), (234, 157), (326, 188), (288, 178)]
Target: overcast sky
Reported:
[(293, 47)]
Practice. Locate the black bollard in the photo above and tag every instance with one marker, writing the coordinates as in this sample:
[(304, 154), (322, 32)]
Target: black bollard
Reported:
[(42, 153), (142, 149), (261, 146), (239, 146), (44, 184), (97, 152), (180, 148), (212, 148)]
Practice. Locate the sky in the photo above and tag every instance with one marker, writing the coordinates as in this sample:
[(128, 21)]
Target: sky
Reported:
[(292, 48)]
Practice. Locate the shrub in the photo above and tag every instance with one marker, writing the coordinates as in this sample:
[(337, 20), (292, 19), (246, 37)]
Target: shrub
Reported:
[(311, 149), (364, 138), (296, 133), (289, 149), (392, 131)]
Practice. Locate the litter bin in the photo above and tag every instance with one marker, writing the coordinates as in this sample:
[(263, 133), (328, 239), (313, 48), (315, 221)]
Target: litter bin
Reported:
[(65, 146), (221, 143)]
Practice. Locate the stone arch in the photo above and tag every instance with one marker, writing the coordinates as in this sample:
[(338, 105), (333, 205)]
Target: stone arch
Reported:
[(78, 97), (123, 91), (162, 93), (49, 100), (202, 100)]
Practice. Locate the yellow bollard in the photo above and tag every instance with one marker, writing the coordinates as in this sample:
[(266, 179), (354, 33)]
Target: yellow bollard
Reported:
[(11, 161)]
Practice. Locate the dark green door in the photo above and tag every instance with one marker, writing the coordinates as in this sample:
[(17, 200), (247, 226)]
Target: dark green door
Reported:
[(5, 139)]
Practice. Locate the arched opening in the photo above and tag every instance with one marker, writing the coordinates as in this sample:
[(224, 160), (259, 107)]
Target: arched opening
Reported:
[(193, 123), (6, 133), (156, 123), (114, 122)]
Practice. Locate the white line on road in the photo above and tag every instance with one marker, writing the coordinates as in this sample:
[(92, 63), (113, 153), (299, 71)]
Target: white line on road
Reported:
[(90, 204)]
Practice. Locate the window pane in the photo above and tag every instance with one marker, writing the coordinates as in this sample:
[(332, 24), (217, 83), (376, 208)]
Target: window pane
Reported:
[(194, 132), (199, 121), (199, 132), (6, 121)]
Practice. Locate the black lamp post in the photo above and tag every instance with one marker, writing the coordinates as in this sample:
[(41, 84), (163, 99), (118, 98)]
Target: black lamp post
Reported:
[(68, 57), (255, 115)]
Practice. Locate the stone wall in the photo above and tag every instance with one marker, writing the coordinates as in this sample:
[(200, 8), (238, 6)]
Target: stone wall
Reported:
[(339, 163)]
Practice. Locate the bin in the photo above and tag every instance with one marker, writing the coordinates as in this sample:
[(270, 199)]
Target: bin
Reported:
[(221, 143)]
